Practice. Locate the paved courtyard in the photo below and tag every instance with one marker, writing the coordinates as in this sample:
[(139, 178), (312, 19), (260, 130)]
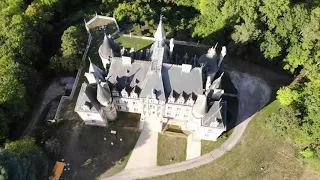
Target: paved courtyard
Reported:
[(144, 153), (193, 148)]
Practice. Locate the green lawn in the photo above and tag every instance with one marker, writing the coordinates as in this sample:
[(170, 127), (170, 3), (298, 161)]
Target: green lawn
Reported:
[(171, 149), (257, 156), (136, 43)]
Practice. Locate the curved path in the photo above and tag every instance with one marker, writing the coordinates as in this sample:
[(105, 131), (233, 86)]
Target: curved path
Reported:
[(253, 94)]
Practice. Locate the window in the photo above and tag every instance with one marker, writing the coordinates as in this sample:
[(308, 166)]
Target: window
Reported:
[(177, 114), (135, 110), (168, 114), (134, 103), (210, 130), (117, 101), (93, 121), (185, 116), (178, 109), (119, 107), (126, 102), (111, 108), (169, 107), (89, 115), (187, 110)]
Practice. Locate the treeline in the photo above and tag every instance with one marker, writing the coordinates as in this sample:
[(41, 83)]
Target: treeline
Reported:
[(42, 37)]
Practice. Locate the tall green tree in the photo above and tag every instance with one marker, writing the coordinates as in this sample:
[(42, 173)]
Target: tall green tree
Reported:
[(72, 47)]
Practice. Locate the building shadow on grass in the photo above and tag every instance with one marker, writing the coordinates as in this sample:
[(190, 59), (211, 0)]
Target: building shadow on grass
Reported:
[(256, 86), (94, 152)]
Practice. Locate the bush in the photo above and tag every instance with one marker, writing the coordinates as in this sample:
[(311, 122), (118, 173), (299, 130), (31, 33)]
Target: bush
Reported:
[(286, 96), (22, 146), (53, 146), (285, 122)]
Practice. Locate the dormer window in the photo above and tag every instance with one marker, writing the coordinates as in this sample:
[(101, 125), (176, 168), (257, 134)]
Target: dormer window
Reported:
[(171, 100), (124, 93), (180, 101)]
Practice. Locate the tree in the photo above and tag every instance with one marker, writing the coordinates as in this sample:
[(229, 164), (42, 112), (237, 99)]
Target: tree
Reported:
[(22, 146), (72, 47), (286, 96), (12, 91), (22, 167)]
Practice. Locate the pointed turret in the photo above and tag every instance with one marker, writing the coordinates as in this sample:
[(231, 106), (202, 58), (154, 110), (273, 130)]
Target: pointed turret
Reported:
[(160, 34), (103, 96), (216, 83), (97, 72), (106, 50)]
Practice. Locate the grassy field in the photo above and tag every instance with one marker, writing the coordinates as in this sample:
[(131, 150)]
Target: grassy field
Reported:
[(129, 42), (257, 156), (171, 149)]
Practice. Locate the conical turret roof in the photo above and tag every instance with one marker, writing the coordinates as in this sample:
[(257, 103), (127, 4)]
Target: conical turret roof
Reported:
[(105, 48), (160, 34), (103, 95), (98, 73)]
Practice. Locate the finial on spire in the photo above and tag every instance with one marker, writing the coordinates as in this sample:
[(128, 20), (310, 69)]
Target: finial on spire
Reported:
[(215, 45), (160, 34)]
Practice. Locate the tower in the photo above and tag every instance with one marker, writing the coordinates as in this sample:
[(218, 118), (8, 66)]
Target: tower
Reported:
[(104, 97), (159, 51), (105, 52)]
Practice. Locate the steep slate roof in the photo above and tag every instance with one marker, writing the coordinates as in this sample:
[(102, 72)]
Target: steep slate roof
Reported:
[(103, 95), (153, 83), (210, 60), (160, 34), (105, 48), (115, 47), (215, 113), (217, 82), (172, 78), (200, 106), (188, 82), (119, 75), (98, 73)]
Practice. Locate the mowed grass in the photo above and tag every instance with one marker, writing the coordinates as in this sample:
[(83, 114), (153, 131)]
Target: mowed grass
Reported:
[(171, 149), (136, 43), (257, 156)]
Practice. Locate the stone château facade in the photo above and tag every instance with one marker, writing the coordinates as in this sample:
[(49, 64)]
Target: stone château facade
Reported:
[(163, 92)]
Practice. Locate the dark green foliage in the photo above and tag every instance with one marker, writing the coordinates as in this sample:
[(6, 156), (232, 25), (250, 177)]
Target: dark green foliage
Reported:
[(72, 47), (22, 166)]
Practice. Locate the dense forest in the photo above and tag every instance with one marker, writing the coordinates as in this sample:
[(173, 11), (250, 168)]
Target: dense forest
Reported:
[(41, 39)]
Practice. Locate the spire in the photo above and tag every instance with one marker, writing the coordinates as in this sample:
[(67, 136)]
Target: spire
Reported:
[(98, 73), (103, 95), (105, 48), (160, 34)]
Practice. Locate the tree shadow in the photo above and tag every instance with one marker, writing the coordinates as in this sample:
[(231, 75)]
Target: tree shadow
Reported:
[(256, 86), (90, 151)]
